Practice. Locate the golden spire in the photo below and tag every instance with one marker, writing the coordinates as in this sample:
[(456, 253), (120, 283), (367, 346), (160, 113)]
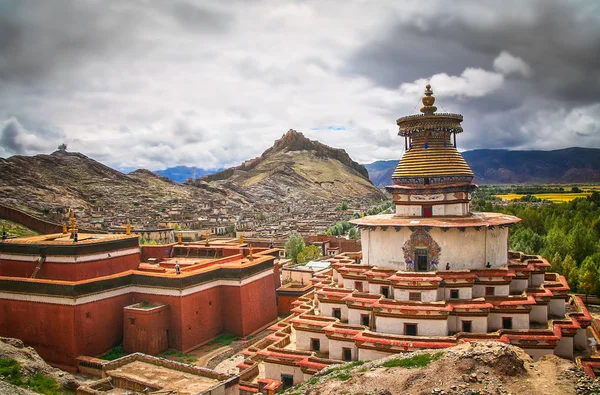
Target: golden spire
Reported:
[(428, 100), (207, 243), (72, 219), (179, 238), (127, 229)]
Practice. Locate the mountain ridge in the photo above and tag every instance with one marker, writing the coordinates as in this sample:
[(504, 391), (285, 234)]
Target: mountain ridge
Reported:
[(502, 166)]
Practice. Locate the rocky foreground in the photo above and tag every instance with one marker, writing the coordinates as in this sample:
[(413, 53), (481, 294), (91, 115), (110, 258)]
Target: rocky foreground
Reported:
[(31, 364), (472, 368)]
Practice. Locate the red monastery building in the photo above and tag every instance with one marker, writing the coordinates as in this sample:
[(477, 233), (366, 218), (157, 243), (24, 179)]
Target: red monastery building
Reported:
[(69, 298)]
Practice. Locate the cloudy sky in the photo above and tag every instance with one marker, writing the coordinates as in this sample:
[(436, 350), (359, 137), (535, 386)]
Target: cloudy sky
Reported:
[(155, 84)]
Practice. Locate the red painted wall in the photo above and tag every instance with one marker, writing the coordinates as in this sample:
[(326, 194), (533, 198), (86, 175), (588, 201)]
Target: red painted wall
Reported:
[(259, 304), (146, 330), (71, 271), (159, 252), (61, 333)]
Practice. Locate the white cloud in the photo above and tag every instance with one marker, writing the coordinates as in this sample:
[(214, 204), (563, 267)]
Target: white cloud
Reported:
[(507, 64), (473, 82)]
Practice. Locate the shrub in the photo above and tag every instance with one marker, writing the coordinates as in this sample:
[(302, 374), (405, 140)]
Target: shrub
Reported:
[(416, 361), (10, 371)]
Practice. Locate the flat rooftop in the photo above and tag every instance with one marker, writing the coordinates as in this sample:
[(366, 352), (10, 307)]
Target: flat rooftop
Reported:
[(475, 219), (165, 378), (58, 239)]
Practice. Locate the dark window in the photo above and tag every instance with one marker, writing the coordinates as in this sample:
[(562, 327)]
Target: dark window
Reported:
[(466, 326), (489, 291), (454, 294), (427, 211), (364, 319), (337, 313), (358, 285), (426, 181), (410, 329), (347, 354), (506, 323), (385, 291), (287, 380), (131, 321), (315, 344), (421, 260), (416, 296)]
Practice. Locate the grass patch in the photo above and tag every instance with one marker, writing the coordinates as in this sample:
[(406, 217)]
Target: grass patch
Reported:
[(144, 305), (343, 376), (416, 361), (114, 353), (44, 385), (224, 339), (10, 371)]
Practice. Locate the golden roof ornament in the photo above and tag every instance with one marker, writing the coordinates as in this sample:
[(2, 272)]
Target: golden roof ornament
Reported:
[(428, 100)]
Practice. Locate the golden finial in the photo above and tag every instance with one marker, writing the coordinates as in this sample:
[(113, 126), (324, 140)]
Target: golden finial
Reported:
[(72, 220), (64, 226), (207, 243), (428, 100), (241, 239), (179, 238), (251, 251), (128, 229)]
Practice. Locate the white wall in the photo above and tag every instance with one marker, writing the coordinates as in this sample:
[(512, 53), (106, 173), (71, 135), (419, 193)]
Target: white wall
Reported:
[(580, 340), (429, 295), (463, 250), (537, 279), (303, 341), (564, 348), (539, 314), (327, 309), (274, 371), (336, 346), (478, 324), (424, 327), (376, 289), (349, 284), (463, 292), (354, 316), (519, 321), (518, 285), (556, 307), (499, 290)]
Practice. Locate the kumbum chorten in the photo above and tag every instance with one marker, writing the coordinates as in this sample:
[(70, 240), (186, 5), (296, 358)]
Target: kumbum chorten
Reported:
[(432, 275), (433, 227)]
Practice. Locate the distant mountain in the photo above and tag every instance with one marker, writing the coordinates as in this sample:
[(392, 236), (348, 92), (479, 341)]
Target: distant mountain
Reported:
[(569, 165), (298, 168), (182, 173)]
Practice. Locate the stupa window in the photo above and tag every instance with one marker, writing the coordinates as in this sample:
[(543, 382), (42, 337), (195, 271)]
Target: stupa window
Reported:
[(415, 296), (337, 313), (467, 326), (454, 294), (489, 291), (347, 354), (364, 319), (410, 329), (506, 322)]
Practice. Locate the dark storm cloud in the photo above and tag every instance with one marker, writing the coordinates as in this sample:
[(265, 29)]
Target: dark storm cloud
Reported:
[(41, 38), (15, 139), (560, 42)]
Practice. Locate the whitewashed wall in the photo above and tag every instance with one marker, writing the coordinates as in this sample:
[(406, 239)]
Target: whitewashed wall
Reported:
[(370, 355), (274, 371), (327, 309), (539, 314), (556, 307), (424, 327), (429, 295), (478, 324), (303, 341), (519, 321), (499, 290), (518, 285), (463, 250), (336, 346), (354, 316), (463, 292)]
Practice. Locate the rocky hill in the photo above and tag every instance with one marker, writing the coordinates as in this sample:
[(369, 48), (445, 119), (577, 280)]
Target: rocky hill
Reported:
[(570, 165), (470, 368), (299, 168), (43, 184), (23, 370)]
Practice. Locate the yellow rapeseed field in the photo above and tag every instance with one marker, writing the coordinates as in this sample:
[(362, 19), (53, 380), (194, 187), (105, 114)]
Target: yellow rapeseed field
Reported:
[(554, 197)]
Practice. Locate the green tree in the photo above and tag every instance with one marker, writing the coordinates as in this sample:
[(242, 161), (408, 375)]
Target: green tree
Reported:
[(570, 272), (354, 233), (556, 242), (580, 242), (588, 277), (527, 240), (294, 246), (556, 264), (308, 254)]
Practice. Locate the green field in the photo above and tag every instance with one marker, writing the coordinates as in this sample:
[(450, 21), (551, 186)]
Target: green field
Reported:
[(15, 229)]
